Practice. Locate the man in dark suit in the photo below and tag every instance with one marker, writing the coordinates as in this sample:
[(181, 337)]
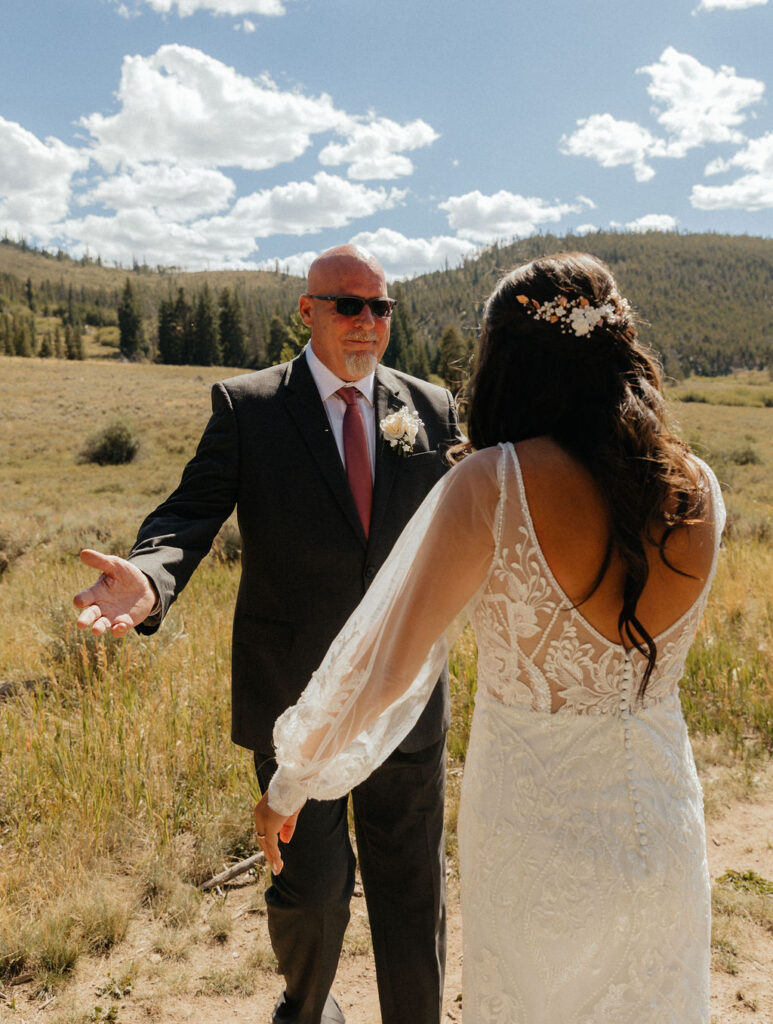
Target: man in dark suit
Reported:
[(318, 515)]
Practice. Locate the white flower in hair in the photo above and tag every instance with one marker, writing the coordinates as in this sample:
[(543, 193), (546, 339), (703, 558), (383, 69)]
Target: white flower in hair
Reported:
[(584, 318), (578, 316)]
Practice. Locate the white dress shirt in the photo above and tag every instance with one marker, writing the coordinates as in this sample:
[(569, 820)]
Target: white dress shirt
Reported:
[(335, 407)]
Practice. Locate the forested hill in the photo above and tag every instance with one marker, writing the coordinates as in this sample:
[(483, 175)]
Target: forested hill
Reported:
[(707, 300)]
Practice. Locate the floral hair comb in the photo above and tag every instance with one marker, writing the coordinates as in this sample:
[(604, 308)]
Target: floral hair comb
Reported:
[(574, 316)]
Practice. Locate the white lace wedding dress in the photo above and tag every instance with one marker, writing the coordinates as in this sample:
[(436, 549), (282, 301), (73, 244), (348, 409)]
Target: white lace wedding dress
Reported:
[(585, 889)]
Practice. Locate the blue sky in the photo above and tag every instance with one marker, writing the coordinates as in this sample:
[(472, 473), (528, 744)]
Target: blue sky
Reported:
[(234, 133)]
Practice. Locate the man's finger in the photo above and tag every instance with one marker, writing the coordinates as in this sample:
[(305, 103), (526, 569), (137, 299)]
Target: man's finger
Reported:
[(86, 597), (122, 624), (96, 560), (271, 850), (88, 616), (287, 830)]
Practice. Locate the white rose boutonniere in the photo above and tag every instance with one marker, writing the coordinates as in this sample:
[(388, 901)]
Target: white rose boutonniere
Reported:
[(400, 429)]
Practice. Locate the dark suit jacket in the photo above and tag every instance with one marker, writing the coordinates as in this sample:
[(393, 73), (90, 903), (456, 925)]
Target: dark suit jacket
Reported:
[(268, 450)]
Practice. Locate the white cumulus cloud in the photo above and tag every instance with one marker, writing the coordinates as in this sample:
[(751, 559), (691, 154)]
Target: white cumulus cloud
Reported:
[(303, 207), (144, 235), (35, 180), (752, 191), (653, 222), (405, 257), (699, 105), (174, 192), (728, 5), (183, 106), (693, 103), (230, 239), (235, 8), (481, 218), (375, 149), (613, 142), (298, 263)]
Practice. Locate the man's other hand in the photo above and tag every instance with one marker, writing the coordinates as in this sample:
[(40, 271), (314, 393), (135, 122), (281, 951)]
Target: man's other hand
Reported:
[(270, 827), (121, 598)]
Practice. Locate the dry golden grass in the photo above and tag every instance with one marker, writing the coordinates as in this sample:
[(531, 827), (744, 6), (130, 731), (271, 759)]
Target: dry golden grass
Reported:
[(117, 762)]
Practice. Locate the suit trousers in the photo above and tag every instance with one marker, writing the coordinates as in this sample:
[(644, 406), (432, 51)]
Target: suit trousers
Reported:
[(398, 820)]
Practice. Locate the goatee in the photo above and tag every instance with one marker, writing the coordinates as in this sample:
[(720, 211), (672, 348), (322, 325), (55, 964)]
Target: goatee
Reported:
[(360, 364)]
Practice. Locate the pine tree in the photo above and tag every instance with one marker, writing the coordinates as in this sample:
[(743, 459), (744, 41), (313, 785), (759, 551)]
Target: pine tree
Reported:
[(46, 349), (132, 344), (260, 340), (420, 365), (184, 319), (77, 337), (29, 295), (453, 357), (22, 344), (298, 334), (231, 328), (58, 343), (69, 343), (206, 344), (169, 339), (395, 352), (279, 336)]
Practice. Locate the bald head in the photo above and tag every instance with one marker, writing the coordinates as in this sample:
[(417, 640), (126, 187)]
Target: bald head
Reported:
[(349, 345), (336, 263)]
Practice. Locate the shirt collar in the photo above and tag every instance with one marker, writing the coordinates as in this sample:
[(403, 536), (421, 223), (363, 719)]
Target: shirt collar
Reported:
[(328, 383)]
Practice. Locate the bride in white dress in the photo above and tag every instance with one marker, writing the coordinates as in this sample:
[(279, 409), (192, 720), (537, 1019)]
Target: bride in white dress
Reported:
[(580, 538)]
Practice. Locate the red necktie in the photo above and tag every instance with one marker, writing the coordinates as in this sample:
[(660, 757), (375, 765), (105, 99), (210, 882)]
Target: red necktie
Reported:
[(356, 456)]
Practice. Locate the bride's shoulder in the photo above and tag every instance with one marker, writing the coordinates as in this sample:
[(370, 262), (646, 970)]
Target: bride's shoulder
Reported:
[(475, 479), (536, 458), (479, 465)]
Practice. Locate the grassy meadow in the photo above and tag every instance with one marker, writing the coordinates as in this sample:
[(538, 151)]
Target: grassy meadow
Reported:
[(119, 787)]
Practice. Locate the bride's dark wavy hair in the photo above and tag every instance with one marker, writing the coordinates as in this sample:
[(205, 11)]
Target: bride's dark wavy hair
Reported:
[(599, 396)]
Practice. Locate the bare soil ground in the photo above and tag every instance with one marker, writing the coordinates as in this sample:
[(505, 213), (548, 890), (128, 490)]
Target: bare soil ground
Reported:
[(180, 975)]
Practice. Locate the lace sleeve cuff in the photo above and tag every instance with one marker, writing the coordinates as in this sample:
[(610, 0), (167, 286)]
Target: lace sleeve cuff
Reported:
[(285, 794)]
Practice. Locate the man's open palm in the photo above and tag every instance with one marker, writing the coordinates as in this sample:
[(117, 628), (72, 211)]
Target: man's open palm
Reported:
[(121, 598)]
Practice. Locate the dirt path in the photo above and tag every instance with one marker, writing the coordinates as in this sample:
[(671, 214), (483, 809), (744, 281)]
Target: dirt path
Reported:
[(188, 976), (742, 840)]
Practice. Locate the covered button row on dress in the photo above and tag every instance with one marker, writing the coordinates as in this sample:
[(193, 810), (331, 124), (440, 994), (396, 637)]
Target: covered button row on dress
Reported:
[(626, 695)]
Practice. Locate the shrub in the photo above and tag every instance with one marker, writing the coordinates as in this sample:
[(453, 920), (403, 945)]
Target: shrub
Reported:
[(14, 948), (114, 445), (10, 550), (227, 546), (103, 918), (693, 396), (744, 456)]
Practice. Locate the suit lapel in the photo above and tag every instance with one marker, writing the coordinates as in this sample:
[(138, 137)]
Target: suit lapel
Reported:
[(387, 399), (305, 407)]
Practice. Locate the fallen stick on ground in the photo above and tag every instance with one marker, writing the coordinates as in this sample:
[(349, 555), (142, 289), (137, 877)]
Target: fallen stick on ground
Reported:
[(233, 871)]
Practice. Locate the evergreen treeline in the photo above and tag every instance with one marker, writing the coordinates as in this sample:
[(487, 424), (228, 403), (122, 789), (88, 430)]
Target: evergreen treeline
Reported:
[(705, 300)]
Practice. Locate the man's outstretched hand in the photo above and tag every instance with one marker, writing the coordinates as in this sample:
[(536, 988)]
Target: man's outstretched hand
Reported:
[(121, 598)]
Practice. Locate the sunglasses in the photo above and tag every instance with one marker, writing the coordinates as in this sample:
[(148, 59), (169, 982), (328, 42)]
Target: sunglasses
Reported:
[(352, 305)]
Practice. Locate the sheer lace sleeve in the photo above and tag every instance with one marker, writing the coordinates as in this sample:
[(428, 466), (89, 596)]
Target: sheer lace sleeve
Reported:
[(380, 670)]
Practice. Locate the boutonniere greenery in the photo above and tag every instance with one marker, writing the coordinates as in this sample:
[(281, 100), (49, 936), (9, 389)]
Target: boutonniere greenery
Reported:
[(400, 429)]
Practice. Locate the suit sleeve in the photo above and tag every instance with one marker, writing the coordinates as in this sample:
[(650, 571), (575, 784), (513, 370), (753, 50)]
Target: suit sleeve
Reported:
[(178, 534), (382, 667)]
